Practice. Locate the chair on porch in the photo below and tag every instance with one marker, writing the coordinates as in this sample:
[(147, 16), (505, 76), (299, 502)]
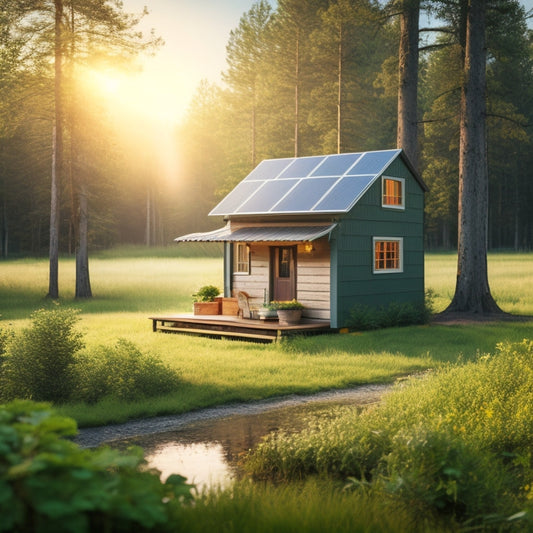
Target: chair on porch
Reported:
[(243, 300)]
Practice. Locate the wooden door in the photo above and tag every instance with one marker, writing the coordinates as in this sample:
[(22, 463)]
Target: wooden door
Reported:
[(283, 269)]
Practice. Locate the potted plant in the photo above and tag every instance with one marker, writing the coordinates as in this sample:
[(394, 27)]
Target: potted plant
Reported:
[(289, 312), (204, 301), (267, 313)]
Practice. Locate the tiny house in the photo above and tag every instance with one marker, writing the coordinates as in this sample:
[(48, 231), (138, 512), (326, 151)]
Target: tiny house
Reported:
[(331, 231)]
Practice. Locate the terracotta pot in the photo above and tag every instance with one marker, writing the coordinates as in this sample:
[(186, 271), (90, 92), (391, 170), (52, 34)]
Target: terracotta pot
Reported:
[(206, 308), (289, 317), (230, 306)]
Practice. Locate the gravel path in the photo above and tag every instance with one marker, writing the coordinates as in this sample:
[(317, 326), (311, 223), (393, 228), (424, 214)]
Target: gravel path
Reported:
[(91, 437)]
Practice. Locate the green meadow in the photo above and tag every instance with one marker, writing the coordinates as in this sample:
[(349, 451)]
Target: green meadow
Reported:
[(131, 284)]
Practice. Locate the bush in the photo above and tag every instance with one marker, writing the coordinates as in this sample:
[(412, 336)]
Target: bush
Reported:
[(45, 363), (123, 372), (432, 471), (47, 483), (39, 360), (364, 317)]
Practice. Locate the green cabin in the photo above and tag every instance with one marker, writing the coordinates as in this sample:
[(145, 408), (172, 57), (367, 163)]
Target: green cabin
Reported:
[(331, 231)]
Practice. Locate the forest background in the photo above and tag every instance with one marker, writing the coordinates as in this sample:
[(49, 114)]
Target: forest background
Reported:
[(306, 77)]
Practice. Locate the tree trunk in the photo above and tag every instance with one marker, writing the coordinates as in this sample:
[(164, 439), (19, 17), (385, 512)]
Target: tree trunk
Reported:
[(83, 283), (339, 94), (472, 292), (297, 96), (407, 132), (57, 155)]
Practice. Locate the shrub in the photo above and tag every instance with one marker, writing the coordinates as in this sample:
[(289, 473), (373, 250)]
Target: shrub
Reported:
[(432, 471), (47, 483), (364, 317), (39, 360), (121, 371)]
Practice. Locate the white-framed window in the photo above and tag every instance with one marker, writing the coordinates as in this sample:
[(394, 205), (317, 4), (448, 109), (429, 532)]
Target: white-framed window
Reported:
[(241, 258), (388, 254), (393, 192)]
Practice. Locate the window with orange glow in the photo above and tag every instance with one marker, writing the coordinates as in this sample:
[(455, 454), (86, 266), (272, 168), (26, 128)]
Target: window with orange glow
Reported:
[(388, 255), (393, 192)]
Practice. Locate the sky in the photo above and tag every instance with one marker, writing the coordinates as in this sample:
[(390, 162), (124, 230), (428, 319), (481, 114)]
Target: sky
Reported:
[(195, 33)]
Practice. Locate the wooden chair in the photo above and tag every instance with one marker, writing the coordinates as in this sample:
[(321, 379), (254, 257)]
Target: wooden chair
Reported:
[(243, 300)]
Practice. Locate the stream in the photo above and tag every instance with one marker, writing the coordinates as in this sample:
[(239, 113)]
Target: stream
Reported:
[(205, 446)]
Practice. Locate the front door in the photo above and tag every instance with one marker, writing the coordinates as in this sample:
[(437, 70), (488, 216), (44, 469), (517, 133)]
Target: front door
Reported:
[(283, 269)]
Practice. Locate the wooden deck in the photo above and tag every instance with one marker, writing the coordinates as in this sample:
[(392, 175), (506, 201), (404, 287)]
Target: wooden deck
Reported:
[(218, 326)]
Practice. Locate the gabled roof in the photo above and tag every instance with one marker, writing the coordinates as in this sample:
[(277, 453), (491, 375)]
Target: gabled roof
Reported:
[(308, 185)]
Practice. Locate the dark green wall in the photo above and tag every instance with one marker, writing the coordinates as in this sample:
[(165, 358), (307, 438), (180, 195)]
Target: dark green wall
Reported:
[(352, 279)]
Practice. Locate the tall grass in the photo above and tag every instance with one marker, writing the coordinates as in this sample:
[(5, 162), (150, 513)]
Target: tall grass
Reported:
[(315, 506), (454, 444)]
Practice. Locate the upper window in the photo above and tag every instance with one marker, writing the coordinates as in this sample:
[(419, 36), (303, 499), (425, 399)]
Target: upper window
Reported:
[(393, 193), (241, 258), (388, 255)]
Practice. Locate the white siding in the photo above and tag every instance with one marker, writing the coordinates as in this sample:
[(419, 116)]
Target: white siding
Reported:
[(312, 277)]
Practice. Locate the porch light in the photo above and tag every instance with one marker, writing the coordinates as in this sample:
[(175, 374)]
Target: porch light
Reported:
[(308, 247)]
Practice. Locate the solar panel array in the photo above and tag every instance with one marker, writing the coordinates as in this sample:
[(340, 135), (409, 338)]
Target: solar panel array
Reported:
[(316, 184)]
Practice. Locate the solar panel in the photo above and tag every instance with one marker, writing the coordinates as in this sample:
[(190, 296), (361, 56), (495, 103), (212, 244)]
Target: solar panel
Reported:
[(336, 165), (301, 168), (305, 195), (372, 163), (268, 169), (235, 198), (344, 194), (315, 184), (267, 196)]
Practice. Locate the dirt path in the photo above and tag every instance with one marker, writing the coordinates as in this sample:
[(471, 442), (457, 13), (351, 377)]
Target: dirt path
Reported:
[(91, 437)]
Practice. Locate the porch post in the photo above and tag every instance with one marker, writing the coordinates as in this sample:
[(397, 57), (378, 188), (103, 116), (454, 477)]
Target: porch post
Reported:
[(228, 268)]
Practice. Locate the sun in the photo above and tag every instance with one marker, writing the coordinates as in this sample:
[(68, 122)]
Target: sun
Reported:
[(105, 82), (154, 96), (110, 84)]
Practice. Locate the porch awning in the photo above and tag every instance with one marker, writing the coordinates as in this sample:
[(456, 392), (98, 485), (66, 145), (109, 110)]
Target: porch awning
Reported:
[(261, 234)]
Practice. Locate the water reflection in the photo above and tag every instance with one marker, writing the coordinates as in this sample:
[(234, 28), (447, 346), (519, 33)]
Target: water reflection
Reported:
[(207, 452), (201, 463)]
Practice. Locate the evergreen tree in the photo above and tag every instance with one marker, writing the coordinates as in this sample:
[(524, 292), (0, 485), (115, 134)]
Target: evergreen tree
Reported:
[(245, 52), (347, 54)]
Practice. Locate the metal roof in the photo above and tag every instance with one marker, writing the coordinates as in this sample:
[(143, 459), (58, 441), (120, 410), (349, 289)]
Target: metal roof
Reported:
[(261, 234)]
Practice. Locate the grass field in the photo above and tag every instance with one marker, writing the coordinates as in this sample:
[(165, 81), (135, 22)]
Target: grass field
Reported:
[(130, 285)]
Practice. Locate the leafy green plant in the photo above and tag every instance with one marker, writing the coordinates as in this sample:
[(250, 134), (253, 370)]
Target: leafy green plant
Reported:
[(39, 360), (122, 372), (47, 483), (287, 305), (207, 293), (364, 318)]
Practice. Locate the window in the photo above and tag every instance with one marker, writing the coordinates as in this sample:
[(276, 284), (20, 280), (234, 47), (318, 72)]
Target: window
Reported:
[(388, 255), (393, 193), (241, 258)]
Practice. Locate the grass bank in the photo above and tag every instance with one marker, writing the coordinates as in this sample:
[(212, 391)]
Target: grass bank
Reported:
[(131, 284)]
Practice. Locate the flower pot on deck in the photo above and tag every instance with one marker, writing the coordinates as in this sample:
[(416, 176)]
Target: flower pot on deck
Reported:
[(229, 306), (206, 308), (289, 317)]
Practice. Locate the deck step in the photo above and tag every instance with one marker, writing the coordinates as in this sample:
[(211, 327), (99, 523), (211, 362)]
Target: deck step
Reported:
[(217, 333)]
